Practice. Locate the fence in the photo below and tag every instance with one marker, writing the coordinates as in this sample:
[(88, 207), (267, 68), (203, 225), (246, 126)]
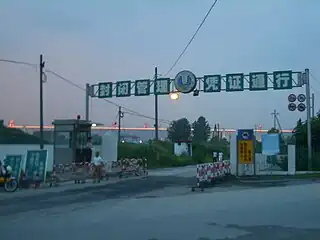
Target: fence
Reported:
[(80, 172)]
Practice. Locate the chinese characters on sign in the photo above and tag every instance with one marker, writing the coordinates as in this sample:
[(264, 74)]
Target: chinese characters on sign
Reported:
[(212, 83), (282, 80), (162, 86), (142, 87), (14, 161), (36, 161), (186, 82), (123, 89), (234, 82), (245, 151), (245, 140), (105, 90), (258, 81)]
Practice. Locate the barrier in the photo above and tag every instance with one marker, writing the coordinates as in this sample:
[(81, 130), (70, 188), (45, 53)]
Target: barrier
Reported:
[(80, 172), (210, 173)]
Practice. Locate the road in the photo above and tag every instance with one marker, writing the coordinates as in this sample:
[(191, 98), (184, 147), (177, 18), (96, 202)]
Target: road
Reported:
[(162, 207)]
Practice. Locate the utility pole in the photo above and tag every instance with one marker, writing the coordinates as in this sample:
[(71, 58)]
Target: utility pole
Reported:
[(156, 123), (42, 63), (120, 116), (309, 133), (88, 94), (275, 114), (312, 104)]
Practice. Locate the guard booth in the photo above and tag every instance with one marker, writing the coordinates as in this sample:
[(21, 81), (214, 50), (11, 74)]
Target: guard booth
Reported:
[(71, 140)]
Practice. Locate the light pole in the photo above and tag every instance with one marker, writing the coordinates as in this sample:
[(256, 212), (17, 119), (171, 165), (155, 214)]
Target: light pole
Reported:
[(41, 65)]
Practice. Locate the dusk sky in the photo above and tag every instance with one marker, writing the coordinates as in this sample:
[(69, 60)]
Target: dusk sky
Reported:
[(115, 40)]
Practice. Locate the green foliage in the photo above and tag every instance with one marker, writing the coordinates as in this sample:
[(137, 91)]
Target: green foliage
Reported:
[(300, 138), (273, 130), (179, 130), (160, 153), (16, 136), (201, 130)]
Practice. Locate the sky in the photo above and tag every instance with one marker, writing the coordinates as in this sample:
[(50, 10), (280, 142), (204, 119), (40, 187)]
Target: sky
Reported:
[(115, 40)]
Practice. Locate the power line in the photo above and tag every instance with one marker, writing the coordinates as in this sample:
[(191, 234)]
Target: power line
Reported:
[(20, 63), (314, 78), (129, 111), (192, 38)]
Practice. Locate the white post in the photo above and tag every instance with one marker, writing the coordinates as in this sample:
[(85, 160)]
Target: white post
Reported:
[(291, 159)]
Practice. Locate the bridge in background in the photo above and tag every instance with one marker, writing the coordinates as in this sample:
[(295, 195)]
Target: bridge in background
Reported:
[(142, 133), (104, 128)]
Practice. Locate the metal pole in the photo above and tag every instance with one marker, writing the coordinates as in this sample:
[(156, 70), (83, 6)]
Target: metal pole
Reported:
[(87, 101), (41, 102), (119, 124), (312, 103), (309, 133), (156, 127)]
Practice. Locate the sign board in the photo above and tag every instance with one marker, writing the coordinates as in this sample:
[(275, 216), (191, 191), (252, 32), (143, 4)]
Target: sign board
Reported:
[(292, 98), (301, 107), (292, 107), (301, 97), (15, 162), (270, 144), (186, 82), (245, 134), (36, 164), (245, 139)]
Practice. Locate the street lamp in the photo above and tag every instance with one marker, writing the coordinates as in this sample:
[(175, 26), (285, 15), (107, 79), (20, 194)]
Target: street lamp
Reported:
[(174, 96)]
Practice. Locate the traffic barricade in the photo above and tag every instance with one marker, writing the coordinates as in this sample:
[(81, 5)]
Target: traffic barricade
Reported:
[(208, 174)]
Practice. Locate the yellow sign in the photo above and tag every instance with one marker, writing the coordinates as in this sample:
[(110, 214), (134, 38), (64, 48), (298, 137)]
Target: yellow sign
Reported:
[(245, 151)]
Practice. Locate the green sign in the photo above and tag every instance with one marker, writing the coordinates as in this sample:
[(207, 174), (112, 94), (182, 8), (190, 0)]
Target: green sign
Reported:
[(185, 80), (212, 83), (105, 90), (234, 82), (36, 164), (258, 81), (162, 86), (123, 89), (14, 161), (142, 87), (282, 80)]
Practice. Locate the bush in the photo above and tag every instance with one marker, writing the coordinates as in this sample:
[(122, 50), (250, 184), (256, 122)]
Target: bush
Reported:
[(160, 153)]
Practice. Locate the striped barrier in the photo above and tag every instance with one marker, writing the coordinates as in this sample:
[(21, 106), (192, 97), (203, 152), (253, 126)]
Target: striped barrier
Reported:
[(209, 173)]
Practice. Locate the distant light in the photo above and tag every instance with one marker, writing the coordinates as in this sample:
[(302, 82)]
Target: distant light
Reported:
[(140, 141), (93, 124), (174, 96), (122, 141)]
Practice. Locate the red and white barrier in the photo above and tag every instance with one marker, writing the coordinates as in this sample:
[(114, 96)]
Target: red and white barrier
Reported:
[(208, 172)]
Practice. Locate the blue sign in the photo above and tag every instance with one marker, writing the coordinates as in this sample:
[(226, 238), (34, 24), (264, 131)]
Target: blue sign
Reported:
[(271, 144), (245, 134)]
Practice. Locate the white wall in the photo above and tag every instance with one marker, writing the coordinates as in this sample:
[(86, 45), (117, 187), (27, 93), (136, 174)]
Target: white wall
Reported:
[(22, 149), (181, 148)]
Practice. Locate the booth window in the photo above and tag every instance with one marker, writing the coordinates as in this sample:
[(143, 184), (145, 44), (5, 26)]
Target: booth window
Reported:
[(63, 139)]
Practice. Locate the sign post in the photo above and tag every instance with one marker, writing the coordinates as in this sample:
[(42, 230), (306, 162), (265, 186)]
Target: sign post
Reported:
[(245, 147)]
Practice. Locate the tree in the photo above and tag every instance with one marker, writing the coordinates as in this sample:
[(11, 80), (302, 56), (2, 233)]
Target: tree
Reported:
[(273, 130), (179, 130), (201, 130)]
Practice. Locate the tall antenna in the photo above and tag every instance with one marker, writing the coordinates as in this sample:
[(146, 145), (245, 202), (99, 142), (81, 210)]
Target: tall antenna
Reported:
[(275, 115)]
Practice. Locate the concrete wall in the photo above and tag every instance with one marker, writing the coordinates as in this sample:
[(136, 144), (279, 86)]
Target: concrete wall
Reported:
[(22, 149)]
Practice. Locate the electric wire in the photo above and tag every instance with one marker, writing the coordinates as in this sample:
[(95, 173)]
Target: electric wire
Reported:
[(192, 38)]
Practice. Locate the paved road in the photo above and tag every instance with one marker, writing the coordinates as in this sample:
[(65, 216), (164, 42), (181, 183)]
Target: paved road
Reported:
[(163, 207)]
